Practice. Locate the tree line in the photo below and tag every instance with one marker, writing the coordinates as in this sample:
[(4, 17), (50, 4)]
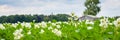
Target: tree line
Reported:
[(30, 18)]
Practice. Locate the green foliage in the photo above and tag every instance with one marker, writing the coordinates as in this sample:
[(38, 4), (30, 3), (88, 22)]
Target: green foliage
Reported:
[(92, 7), (69, 31), (30, 18)]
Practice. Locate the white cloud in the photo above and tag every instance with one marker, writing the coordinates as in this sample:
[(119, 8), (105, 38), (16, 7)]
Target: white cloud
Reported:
[(47, 9), (110, 8), (5, 8)]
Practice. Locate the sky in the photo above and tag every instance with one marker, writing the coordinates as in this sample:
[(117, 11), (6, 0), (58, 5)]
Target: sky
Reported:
[(12, 7)]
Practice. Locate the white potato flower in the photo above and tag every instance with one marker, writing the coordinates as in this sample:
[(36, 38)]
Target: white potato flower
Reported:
[(75, 17), (117, 23), (105, 20), (53, 24), (2, 39), (2, 27), (118, 19), (69, 18), (37, 26), (66, 22), (43, 24), (58, 26), (18, 22), (57, 32), (110, 32), (75, 25), (58, 22), (49, 22), (14, 25), (110, 23), (104, 23), (72, 14), (42, 31), (17, 34), (29, 32), (89, 28), (27, 25), (49, 28)]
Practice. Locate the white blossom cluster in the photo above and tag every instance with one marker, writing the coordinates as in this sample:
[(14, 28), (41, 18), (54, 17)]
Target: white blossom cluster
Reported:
[(2, 27), (104, 22), (56, 27), (117, 22), (18, 34), (57, 32)]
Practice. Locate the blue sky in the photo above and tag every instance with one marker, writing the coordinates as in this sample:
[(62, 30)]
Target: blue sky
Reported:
[(46, 7)]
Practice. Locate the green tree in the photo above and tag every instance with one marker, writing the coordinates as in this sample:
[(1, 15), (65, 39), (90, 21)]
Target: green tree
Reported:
[(62, 17), (30, 18), (92, 7)]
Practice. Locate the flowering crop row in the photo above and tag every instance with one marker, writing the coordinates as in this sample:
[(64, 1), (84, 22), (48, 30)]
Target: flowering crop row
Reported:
[(102, 29)]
